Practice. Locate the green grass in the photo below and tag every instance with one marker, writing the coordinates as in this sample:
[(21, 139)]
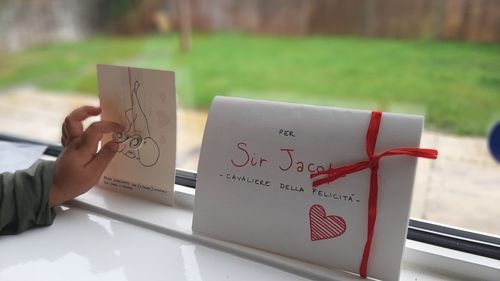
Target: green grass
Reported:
[(456, 85)]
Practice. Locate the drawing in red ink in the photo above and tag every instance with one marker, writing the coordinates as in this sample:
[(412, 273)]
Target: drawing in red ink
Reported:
[(323, 226)]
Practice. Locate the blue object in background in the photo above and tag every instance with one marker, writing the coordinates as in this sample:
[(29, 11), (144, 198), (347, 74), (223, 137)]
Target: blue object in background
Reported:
[(494, 141)]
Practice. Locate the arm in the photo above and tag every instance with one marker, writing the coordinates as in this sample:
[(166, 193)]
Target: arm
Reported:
[(24, 198)]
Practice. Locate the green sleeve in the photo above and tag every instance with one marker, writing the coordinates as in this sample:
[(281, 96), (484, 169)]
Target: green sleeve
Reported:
[(24, 198)]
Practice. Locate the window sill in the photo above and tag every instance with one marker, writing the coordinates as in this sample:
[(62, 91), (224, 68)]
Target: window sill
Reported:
[(420, 262)]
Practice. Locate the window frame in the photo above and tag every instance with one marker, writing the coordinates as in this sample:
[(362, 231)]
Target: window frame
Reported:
[(418, 230)]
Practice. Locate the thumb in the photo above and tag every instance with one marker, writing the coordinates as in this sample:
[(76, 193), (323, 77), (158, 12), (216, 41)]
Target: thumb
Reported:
[(101, 160)]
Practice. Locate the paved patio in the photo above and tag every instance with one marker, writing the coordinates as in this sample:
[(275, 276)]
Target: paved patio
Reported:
[(461, 188)]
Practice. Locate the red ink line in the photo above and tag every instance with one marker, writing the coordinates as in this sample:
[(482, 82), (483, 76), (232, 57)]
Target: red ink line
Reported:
[(131, 97), (318, 228)]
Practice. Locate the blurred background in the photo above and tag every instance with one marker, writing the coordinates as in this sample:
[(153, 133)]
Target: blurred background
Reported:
[(439, 58)]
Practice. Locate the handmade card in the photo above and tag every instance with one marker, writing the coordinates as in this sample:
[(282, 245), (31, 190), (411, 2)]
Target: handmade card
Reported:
[(325, 185), (143, 101)]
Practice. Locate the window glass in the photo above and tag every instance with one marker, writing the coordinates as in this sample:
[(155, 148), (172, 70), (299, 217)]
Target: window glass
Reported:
[(436, 58)]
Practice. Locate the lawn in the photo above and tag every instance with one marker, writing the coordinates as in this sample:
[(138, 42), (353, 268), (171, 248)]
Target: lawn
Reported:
[(456, 85)]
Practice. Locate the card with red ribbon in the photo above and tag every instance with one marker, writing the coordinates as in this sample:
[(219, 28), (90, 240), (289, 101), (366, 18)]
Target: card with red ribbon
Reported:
[(324, 185)]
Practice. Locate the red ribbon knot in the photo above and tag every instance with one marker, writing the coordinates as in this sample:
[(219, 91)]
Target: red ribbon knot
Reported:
[(372, 163)]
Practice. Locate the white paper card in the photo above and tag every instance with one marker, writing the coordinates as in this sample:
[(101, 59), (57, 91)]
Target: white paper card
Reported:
[(144, 102), (254, 187)]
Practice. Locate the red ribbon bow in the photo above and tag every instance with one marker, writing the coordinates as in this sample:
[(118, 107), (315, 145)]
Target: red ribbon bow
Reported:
[(372, 163)]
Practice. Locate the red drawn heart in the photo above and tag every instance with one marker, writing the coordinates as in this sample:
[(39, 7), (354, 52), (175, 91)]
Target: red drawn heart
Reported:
[(323, 226)]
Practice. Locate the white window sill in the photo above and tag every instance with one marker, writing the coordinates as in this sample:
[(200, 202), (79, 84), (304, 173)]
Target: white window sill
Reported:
[(420, 262)]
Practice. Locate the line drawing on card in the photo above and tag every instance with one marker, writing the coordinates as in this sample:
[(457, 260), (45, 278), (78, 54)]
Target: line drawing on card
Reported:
[(136, 142)]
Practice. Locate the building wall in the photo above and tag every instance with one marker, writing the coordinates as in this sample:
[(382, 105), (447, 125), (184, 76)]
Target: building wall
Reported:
[(25, 23)]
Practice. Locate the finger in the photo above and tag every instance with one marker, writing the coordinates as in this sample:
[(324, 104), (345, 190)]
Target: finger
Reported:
[(101, 160), (73, 122), (64, 137), (83, 112), (91, 137)]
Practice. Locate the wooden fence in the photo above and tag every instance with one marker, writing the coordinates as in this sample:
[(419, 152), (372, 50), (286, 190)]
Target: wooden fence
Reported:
[(26, 23), (470, 20)]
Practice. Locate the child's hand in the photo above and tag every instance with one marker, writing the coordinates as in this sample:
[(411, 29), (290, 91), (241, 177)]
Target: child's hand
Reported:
[(80, 165), (72, 127)]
